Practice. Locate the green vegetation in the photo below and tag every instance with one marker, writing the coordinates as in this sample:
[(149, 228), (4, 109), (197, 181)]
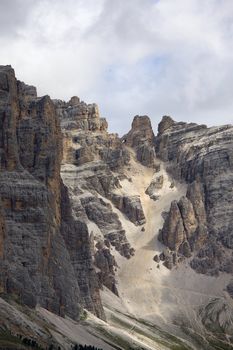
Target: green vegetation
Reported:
[(170, 342), (152, 332), (83, 316), (84, 347), (116, 341), (219, 345), (19, 342), (7, 340)]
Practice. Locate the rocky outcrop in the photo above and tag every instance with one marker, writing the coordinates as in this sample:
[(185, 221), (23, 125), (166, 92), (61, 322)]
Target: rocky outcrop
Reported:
[(165, 124), (217, 317), (76, 114), (37, 264), (202, 157), (90, 188), (79, 244), (87, 210), (184, 229), (155, 185), (86, 142), (2, 232), (141, 138), (93, 164), (83, 147), (9, 114), (107, 266), (186, 221), (103, 181), (85, 135), (140, 132), (100, 213), (131, 206), (86, 184), (230, 288), (173, 234)]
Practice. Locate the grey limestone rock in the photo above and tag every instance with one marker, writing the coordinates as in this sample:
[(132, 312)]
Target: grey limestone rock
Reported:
[(202, 157), (106, 263), (131, 207), (141, 139), (155, 185), (37, 265)]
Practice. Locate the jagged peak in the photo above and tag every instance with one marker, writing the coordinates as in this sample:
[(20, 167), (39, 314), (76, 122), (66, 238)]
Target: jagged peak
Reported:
[(141, 137), (141, 122), (141, 129), (28, 91), (75, 100), (7, 67), (165, 124), (77, 114)]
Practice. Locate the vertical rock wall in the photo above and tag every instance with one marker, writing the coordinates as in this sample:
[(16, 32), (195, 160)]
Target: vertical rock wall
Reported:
[(36, 262), (203, 158)]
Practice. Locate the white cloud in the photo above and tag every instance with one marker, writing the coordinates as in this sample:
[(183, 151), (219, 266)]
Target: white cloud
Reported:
[(131, 57)]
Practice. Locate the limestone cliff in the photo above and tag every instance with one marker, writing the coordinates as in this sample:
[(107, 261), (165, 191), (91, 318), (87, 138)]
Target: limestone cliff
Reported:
[(201, 222), (141, 138), (36, 262), (83, 213), (94, 164)]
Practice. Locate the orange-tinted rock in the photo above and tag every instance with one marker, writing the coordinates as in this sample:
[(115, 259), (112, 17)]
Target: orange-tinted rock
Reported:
[(35, 258)]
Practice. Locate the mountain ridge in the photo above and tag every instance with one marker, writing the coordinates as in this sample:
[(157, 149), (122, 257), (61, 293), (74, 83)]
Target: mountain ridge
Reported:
[(91, 221)]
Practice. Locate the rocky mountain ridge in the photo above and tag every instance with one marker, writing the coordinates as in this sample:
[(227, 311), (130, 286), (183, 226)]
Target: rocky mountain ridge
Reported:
[(87, 216), (36, 263), (93, 166), (202, 220)]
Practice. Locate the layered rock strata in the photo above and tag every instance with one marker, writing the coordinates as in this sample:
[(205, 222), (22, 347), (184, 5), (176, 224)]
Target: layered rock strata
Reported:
[(201, 222), (94, 164), (37, 264)]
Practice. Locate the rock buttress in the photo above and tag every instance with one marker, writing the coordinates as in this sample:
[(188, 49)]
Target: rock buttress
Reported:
[(35, 261), (203, 158)]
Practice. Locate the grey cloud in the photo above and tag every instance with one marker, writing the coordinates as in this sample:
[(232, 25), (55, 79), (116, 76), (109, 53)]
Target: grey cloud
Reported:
[(14, 15), (131, 57)]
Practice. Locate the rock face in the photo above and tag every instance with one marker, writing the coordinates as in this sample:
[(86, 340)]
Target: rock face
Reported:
[(76, 114), (186, 222), (131, 207), (85, 136), (165, 124), (37, 263), (203, 158), (217, 317), (155, 185), (72, 198), (141, 138), (106, 264), (93, 166), (79, 244), (100, 212)]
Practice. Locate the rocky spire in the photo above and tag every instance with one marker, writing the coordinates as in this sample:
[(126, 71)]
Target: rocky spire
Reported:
[(141, 138), (165, 124)]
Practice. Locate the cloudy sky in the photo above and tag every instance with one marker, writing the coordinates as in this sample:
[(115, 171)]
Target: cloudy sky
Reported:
[(154, 57)]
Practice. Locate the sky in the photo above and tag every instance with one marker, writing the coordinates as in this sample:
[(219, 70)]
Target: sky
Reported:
[(131, 57)]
